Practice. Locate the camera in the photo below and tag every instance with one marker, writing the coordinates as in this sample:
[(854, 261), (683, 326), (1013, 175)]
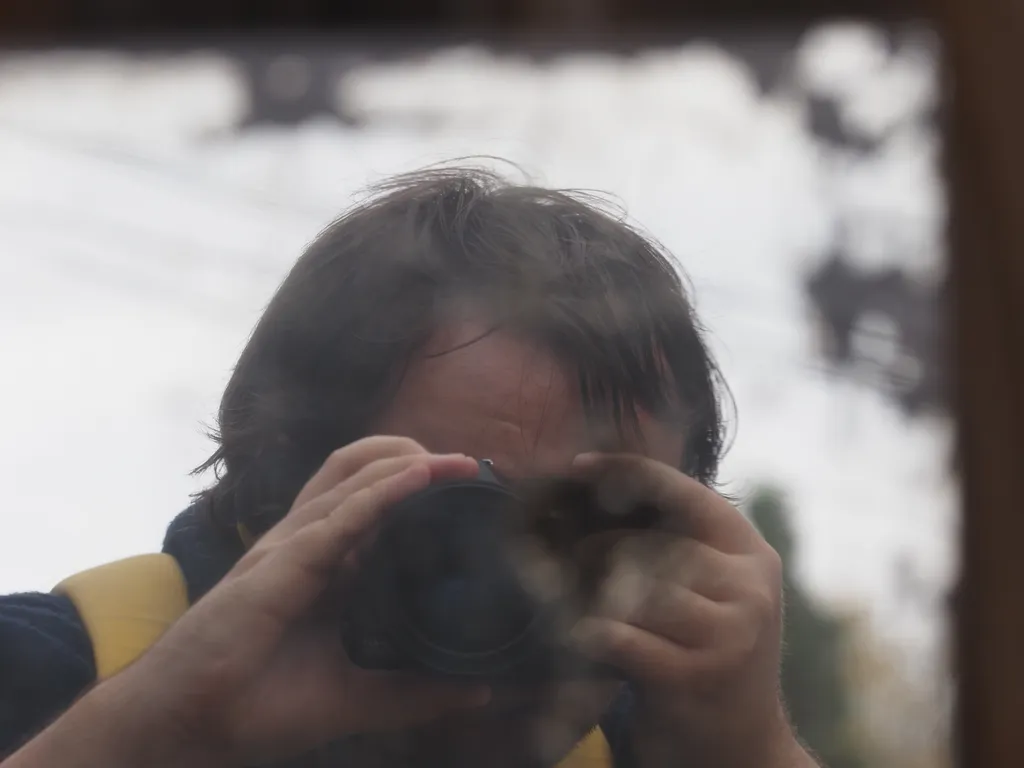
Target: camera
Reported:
[(482, 580)]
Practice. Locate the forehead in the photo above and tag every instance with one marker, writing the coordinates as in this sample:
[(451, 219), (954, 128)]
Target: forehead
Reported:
[(497, 396)]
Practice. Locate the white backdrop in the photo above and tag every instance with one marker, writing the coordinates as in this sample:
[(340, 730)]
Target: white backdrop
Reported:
[(140, 237)]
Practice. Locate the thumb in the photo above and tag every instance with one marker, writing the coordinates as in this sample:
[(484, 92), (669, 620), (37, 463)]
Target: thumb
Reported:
[(400, 701)]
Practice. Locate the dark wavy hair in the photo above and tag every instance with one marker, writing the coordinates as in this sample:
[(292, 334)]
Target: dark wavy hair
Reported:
[(556, 266)]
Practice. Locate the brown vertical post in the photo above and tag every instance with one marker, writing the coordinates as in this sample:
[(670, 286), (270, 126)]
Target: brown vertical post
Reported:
[(984, 55), (33, 17), (565, 17)]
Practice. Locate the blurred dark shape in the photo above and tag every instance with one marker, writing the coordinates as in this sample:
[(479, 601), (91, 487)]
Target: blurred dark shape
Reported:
[(70, 20), (825, 123), (287, 89), (907, 351), (769, 57), (824, 111), (814, 685), (844, 296)]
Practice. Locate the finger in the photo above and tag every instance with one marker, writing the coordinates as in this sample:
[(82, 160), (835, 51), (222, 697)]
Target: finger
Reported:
[(440, 467), (295, 572), (648, 589), (688, 507), (338, 468), (680, 616), (345, 462), (663, 556), (642, 655), (691, 564)]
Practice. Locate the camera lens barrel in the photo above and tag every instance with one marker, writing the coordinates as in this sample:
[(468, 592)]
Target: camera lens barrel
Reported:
[(439, 590)]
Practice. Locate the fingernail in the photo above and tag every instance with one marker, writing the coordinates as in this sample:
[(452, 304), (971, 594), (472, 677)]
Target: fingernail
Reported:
[(588, 634), (586, 459)]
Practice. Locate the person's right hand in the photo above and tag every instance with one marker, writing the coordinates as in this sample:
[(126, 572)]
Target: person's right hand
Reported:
[(246, 675)]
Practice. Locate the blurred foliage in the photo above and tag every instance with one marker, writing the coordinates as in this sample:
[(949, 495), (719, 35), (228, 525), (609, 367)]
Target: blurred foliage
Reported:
[(900, 722), (848, 695), (813, 673)]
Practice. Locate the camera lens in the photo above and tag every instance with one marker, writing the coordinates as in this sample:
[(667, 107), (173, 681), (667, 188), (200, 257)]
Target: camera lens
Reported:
[(467, 615), (460, 593)]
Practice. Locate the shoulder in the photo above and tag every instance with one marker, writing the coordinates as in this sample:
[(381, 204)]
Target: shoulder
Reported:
[(46, 658)]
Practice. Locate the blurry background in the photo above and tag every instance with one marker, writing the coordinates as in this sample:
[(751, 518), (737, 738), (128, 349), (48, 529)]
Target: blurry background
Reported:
[(151, 200)]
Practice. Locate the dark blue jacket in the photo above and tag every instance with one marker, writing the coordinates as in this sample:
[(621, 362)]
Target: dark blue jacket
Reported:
[(46, 658)]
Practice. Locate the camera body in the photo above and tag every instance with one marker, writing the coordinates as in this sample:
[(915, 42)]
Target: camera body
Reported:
[(482, 580)]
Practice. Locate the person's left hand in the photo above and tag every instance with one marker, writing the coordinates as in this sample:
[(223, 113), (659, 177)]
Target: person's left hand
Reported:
[(693, 616)]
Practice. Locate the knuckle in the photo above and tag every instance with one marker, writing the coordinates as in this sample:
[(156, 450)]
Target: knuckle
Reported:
[(773, 562), (398, 445), (689, 554), (384, 469), (413, 460), (622, 644), (338, 457), (629, 462), (736, 639), (772, 572), (746, 640), (364, 496), (374, 493), (765, 602)]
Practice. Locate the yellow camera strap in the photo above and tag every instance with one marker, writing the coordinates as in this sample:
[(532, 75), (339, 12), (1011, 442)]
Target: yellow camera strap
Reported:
[(592, 752), (126, 605)]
